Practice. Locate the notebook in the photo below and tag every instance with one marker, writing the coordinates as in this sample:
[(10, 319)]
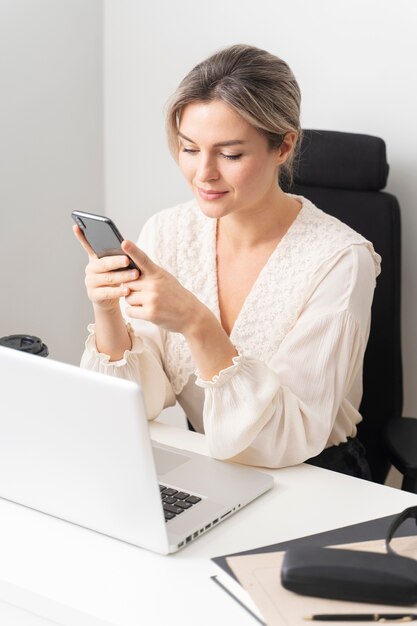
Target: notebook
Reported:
[(75, 444)]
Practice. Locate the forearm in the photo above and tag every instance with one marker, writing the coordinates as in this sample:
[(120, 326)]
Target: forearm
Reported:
[(112, 337), (210, 346), (287, 410)]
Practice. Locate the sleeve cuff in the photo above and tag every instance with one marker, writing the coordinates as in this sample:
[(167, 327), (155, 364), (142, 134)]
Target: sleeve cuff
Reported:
[(223, 376), (104, 359)]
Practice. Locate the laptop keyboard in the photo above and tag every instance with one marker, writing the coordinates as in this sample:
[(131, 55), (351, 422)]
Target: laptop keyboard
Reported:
[(175, 502)]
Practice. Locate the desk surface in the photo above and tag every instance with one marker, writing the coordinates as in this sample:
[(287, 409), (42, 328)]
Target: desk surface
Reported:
[(125, 585)]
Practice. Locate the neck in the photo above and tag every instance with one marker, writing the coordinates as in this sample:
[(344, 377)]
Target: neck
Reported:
[(268, 224)]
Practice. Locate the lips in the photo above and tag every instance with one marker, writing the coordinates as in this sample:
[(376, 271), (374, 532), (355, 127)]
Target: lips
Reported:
[(211, 194)]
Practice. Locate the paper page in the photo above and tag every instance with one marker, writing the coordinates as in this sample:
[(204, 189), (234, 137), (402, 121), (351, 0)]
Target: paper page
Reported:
[(260, 575)]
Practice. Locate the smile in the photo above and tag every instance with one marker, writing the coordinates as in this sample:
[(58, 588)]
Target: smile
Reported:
[(211, 195)]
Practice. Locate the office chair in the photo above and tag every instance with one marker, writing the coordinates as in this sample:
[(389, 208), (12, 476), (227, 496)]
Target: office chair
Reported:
[(401, 438), (343, 174)]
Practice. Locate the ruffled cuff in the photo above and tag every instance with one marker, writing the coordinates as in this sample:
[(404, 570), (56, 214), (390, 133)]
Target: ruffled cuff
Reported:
[(104, 359), (223, 376)]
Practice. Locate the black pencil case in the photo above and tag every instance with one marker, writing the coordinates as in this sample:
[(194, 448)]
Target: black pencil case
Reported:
[(350, 575)]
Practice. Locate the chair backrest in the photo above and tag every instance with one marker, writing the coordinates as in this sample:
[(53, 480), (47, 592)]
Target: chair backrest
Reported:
[(343, 174)]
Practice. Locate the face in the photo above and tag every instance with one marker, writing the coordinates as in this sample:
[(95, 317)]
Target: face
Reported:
[(226, 161)]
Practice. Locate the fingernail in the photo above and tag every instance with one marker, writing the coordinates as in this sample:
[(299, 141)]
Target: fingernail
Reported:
[(132, 274)]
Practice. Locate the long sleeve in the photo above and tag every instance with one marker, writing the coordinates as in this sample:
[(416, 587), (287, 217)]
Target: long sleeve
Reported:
[(144, 362), (301, 334), (286, 410)]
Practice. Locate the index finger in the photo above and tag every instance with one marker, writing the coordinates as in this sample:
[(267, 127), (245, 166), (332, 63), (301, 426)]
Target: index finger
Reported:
[(141, 260), (83, 241)]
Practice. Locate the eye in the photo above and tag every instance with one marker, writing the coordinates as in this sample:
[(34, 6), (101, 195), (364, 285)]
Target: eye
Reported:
[(189, 151), (231, 157)]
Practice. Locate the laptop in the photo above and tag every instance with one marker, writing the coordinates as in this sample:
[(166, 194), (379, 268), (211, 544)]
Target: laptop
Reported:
[(75, 444)]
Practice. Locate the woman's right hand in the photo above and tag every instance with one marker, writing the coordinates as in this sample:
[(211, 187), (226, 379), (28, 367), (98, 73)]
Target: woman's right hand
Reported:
[(105, 286)]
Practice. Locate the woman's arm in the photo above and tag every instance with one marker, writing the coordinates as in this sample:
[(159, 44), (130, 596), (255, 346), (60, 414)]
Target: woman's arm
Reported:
[(158, 297), (287, 410), (141, 363), (106, 282), (113, 346)]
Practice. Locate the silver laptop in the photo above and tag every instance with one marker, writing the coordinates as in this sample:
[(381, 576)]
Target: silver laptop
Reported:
[(75, 444)]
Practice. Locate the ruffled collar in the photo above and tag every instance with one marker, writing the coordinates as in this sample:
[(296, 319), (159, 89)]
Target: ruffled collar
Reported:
[(284, 284)]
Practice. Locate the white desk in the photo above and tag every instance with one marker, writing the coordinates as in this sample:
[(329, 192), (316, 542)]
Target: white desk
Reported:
[(125, 585)]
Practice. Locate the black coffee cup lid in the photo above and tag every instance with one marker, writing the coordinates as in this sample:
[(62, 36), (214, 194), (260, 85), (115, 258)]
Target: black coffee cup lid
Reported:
[(25, 343)]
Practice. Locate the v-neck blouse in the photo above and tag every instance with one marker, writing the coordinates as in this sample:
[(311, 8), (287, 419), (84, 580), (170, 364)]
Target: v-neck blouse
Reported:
[(301, 335)]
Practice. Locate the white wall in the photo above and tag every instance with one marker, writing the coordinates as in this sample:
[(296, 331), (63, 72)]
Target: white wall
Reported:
[(51, 162), (354, 60)]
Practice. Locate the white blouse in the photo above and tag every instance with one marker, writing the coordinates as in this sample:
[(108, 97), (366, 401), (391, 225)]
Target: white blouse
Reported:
[(296, 385)]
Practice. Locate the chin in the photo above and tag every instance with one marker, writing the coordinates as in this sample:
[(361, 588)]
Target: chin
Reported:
[(212, 209)]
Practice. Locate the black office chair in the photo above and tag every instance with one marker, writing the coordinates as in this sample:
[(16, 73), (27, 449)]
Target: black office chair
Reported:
[(343, 174), (401, 438)]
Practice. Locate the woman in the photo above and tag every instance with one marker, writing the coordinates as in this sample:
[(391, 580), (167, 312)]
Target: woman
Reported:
[(253, 307)]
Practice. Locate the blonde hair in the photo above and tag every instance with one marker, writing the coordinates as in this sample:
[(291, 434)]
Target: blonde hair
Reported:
[(256, 84)]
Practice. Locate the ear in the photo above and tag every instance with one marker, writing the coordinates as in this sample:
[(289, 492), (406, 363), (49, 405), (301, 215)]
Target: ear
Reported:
[(286, 148)]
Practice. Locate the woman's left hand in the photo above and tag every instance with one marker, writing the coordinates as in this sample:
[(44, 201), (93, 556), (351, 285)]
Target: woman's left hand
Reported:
[(158, 297)]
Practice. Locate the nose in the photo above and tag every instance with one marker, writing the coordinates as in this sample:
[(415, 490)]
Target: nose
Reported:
[(207, 168)]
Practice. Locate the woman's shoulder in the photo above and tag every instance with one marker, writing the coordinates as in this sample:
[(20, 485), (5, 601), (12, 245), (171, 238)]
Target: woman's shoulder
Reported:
[(312, 216), (328, 236)]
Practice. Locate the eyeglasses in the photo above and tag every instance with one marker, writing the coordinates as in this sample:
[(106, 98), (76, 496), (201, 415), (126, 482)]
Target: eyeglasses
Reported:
[(411, 512)]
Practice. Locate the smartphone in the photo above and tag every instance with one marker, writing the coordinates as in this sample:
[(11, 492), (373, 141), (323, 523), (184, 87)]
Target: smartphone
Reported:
[(102, 235)]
